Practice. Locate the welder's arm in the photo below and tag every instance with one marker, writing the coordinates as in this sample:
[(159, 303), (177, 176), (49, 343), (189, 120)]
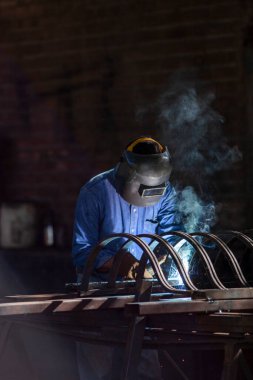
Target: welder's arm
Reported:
[(86, 230), (169, 218), (86, 237)]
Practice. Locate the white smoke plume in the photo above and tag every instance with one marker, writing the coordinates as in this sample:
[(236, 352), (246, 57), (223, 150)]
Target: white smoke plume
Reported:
[(192, 130), (197, 215)]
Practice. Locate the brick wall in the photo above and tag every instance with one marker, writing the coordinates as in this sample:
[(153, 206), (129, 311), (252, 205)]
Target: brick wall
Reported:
[(74, 76)]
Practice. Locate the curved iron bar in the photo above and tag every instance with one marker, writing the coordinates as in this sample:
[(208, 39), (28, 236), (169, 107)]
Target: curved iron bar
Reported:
[(176, 258), (87, 271), (113, 273), (140, 273), (241, 236), (185, 276), (117, 261), (203, 254), (228, 253)]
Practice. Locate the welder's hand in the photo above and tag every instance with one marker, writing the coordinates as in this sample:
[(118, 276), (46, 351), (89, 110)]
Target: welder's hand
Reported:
[(161, 260), (128, 267), (133, 271)]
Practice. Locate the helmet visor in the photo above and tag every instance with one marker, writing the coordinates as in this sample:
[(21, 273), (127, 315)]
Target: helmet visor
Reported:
[(152, 191)]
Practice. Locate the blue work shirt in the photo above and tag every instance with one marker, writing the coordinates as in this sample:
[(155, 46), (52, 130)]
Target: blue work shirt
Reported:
[(101, 211)]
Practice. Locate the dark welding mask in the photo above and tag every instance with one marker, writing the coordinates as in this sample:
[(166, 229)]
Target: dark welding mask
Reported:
[(143, 172)]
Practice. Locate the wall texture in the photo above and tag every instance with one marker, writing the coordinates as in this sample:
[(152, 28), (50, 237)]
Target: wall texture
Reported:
[(74, 76)]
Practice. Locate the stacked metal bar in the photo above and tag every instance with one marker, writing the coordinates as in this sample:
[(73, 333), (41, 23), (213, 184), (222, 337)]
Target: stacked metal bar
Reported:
[(157, 313)]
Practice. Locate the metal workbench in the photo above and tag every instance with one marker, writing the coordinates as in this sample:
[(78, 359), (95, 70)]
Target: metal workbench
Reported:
[(153, 313)]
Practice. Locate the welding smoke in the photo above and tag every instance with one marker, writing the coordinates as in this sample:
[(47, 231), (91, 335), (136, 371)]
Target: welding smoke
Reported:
[(196, 214), (192, 130)]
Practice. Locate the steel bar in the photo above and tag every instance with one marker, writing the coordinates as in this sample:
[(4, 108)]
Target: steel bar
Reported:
[(175, 365), (231, 293), (228, 253), (188, 306), (244, 366), (64, 305), (148, 255), (113, 274), (175, 257), (230, 365), (203, 255), (139, 279), (133, 348), (241, 236), (146, 250), (143, 290), (134, 317), (154, 337), (233, 324)]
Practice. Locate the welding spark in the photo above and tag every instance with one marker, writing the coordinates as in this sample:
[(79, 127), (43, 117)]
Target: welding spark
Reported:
[(185, 252)]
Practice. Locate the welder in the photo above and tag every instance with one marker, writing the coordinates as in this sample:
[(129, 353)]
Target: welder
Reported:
[(134, 197)]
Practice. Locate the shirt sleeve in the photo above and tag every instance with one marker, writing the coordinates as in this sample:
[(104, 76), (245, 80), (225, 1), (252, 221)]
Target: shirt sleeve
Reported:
[(168, 217), (88, 217)]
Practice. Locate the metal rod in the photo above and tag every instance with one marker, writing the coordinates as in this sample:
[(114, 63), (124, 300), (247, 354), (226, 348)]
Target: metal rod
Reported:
[(146, 250), (175, 257), (228, 253), (203, 255)]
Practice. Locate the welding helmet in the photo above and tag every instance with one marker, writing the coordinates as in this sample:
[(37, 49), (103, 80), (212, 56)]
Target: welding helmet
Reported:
[(143, 172)]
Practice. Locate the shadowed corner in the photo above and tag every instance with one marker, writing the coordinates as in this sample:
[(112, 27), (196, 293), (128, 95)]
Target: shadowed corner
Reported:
[(27, 351)]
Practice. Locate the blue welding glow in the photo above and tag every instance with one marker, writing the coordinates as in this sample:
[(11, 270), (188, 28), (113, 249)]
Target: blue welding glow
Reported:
[(185, 252)]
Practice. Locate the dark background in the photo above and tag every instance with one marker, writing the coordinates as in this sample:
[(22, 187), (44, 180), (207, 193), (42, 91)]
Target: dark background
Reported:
[(76, 75)]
